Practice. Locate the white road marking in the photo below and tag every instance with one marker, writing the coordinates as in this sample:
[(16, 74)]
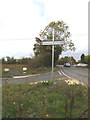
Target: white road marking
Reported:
[(73, 81), (59, 72), (64, 74), (25, 76), (20, 76)]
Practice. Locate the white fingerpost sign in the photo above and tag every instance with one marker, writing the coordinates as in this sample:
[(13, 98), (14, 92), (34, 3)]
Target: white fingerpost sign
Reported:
[(50, 42), (53, 42)]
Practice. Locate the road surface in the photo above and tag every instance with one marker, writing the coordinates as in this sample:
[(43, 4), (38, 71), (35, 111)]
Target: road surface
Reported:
[(32, 78), (15, 73), (81, 74)]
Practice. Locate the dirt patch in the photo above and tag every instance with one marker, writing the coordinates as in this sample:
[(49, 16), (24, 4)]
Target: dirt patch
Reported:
[(71, 81), (67, 80)]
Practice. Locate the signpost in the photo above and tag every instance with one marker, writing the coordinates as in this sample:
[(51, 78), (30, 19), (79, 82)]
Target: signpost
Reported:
[(53, 42)]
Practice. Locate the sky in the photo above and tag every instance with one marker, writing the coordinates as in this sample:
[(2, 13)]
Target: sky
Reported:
[(22, 20)]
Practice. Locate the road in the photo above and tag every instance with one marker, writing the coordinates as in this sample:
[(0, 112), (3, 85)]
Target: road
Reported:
[(32, 78), (81, 74), (15, 73)]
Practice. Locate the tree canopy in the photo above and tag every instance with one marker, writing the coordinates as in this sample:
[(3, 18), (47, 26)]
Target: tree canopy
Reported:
[(61, 31), (87, 59), (62, 60), (12, 60)]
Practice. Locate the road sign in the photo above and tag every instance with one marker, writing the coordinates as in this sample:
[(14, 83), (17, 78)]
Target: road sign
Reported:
[(47, 43), (58, 42), (50, 42)]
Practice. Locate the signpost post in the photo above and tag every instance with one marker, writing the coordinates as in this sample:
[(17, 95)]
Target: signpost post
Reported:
[(53, 57), (52, 42)]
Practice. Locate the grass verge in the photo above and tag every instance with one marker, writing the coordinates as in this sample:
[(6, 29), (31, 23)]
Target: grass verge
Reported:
[(5, 74), (44, 100)]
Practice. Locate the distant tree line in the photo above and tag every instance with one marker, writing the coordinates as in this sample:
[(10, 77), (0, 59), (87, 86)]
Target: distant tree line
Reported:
[(12, 60), (39, 61), (65, 59), (83, 59)]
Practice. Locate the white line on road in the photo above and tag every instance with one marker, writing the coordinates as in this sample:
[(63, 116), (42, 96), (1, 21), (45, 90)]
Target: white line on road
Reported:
[(63, 73), (59, 72), (20, 76), (70, 81), (25, 76)]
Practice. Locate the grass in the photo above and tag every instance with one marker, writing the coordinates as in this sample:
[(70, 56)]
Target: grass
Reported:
[(44, 100), (6, 75)]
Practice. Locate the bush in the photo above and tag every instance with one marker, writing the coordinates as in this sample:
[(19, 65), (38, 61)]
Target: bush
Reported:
[(40, 61)]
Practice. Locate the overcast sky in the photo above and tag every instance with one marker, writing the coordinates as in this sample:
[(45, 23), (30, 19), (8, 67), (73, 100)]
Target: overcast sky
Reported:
[(22, 20)]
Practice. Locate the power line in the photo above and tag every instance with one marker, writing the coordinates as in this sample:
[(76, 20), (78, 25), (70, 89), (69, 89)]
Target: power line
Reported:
[(17, 39), (75, 35)]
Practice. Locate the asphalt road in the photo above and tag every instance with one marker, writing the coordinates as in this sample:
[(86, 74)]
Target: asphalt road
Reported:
[(33, 78), (15, 73), (81, 74)]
